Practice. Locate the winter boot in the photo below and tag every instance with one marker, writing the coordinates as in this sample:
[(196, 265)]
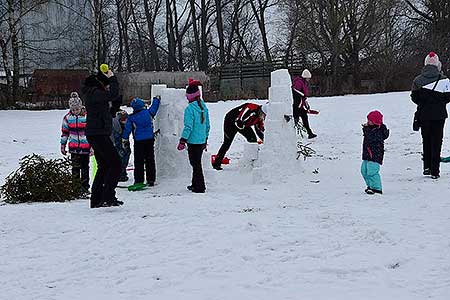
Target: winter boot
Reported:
[(137, 187), (369, 191), (435, 176), (426, 172), (217, 167), (312, 135)]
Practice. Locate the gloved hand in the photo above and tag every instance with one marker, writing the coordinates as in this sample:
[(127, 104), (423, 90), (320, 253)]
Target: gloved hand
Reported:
[(307, 107), (260, 142), (205, 146), (63, 150), (181, 145), (109, 74), (125, 143)]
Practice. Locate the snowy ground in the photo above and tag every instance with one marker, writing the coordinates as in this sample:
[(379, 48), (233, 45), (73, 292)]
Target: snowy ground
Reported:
[(306, 236)]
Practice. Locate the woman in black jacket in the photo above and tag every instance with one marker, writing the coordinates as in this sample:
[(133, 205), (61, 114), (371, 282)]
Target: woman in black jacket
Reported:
[(99, 91), (431, 93)]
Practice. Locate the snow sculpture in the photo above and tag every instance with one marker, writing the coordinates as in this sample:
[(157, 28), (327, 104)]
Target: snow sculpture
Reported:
[(170, 162), (278, 153)]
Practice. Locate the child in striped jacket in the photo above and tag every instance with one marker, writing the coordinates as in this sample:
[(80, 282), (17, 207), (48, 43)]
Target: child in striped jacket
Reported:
[(73, 133)]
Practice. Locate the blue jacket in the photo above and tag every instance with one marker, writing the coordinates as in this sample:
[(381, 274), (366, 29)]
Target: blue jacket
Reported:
[(140, 122), (196, 132)]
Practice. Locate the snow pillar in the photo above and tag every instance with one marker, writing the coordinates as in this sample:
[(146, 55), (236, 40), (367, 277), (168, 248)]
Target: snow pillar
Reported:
[(278, 153), (169, 161)]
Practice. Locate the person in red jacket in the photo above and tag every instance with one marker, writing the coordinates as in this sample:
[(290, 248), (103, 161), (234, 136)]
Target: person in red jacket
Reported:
[(248, 120)]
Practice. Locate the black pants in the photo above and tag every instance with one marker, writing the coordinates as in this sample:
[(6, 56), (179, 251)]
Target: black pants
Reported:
[(144, 155), (108, 170), (432, 135), (80, 169), (230, 130), (303, 114), (195, 152)]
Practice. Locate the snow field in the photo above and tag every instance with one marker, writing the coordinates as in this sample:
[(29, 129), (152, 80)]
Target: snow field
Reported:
[(311, 234)]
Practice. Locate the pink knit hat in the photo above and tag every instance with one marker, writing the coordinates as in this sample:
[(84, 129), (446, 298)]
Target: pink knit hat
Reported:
[(192, 91), (375, 117)]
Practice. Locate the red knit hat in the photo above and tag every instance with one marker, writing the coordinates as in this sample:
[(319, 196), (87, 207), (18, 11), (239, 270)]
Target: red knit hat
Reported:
[(192, 91), (375, 117)]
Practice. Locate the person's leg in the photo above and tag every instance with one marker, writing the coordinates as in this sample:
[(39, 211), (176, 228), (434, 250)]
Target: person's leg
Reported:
[(84, 159), (195, 158), (436, 136), (99, 179), (125, 158), (305, 121), (364, 172), (425, 130), (150, 168), (295, 113), (139, 160), (76, 166), (230, 131), (112, 173), (373, 176)]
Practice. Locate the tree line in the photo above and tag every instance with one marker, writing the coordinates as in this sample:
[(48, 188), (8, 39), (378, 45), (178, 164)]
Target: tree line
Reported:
[(341, 39)]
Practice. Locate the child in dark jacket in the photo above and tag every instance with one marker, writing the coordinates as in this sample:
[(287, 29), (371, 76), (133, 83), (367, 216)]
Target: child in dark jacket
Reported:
[(140, 123), (118, 125), (375, 132), (73, 133)]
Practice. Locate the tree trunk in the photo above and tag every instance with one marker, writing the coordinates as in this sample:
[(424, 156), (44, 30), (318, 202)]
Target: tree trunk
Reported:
[(171, 43), (204, 36), (154, 57), (12, 23), (196, 34), (4, 48), (220, 31), (260, 18), (179, 40), (119, 29), (140, 41)]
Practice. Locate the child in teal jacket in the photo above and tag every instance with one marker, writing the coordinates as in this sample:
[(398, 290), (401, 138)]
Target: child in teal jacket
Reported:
[(195, 134)]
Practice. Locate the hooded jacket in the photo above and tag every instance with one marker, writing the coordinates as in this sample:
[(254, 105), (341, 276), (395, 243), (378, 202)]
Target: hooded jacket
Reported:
[(73, 133), (140, 122), (97, 99), (300, 92), (431, 93), (195, 132), (373, 143)]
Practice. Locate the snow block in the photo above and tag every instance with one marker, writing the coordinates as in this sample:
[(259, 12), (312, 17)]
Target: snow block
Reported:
[(170, 162), (280, 78), (277, 156)]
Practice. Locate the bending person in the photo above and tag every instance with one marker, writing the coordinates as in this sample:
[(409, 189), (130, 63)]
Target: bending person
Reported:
[(248, 120)]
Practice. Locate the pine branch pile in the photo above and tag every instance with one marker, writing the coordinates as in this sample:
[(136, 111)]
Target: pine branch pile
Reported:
[(304, 150), (40, 180)]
